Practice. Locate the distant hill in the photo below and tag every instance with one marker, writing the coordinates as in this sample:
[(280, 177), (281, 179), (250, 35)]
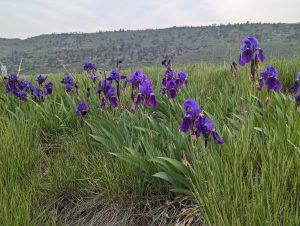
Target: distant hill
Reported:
[(47, 53)]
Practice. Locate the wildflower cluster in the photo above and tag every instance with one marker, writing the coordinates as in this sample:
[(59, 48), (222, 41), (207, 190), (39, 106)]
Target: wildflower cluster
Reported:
[(21, 88), (170, 84), (195, 122)]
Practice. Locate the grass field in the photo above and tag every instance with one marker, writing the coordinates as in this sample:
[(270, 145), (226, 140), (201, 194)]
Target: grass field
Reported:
[(57, 168)]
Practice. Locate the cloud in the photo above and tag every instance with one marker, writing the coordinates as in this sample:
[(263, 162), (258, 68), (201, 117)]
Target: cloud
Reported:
[(33, 17)]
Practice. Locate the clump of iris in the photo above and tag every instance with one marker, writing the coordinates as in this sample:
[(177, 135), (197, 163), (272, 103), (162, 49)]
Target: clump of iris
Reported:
[(197, 124), (170, 84), (251, 53), (21, 88)]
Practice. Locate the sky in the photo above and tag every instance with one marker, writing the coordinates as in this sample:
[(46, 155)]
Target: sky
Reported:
[(28, 18)]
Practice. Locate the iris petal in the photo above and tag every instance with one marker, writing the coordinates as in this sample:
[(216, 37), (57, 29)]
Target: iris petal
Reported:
[(138, 101), (247, 56), (186, 124), (217, 137), (172, 93), (113, 102), (151, 102), (261, 55)]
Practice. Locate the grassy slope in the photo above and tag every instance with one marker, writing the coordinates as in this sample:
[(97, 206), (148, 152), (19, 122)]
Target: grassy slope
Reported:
[(47, 153)]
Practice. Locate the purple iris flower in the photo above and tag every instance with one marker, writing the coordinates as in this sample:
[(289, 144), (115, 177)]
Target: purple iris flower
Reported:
[(48, 88), (248, 51), (169, 74), (68, 79), (192, 112), (30, 87), (41, 79), (136, 79), (13, 77), (269, 78), (146, 94), (22, 96), (109, 94), (181, 78), (22, 84), (167, 63), (115, 76), (38, 94), (89, 66), (171, 88), (68, 88), (206, 126), (82, 108), (296, 85), (197, 123)]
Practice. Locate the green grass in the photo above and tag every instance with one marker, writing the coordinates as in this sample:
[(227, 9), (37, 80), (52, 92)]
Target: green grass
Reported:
[(47, 153)]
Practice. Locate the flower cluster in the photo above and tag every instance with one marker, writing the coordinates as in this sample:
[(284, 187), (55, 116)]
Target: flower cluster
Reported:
[(141, 84), (269, 79), (170, 84), (108, 91), (68, 81), (195, 121), (21, 88)]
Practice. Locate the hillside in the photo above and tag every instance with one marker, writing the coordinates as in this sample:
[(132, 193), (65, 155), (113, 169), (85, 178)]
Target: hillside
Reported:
[(48, 53)]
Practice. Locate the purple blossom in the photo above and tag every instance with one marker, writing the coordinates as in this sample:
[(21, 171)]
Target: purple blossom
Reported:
[(22, 84), (48, 88), (82, 108), (109, 94), (38, 94), (68, 79), (171, 88), (13, 77), (137, 78), (181, 78), (197, 123), (41, 79), (269, 78), (296, 85), (146, 94), (22, 96), (115, 76), (68, 88), (168, 75), (167, 63), (206, 126), (89, 66), (249, 51)]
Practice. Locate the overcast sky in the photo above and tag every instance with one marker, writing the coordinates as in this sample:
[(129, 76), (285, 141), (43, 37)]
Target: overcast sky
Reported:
[(27, 18)]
